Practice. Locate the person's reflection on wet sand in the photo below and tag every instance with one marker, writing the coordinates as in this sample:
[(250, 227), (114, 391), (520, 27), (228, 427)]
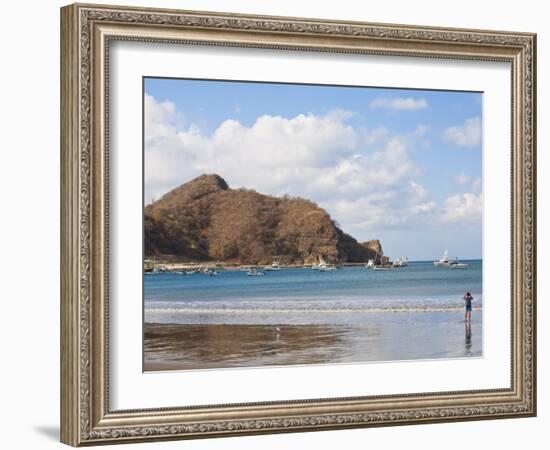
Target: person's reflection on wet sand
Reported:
[(468, 336)]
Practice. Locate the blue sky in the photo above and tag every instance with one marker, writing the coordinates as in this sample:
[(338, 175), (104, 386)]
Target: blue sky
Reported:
[(403, 166)]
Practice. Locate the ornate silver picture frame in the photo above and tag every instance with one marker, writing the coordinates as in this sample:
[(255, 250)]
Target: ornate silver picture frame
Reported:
[(87, 33)]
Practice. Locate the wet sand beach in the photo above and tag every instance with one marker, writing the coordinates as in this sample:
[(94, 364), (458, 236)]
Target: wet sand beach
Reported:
[(385, 336)]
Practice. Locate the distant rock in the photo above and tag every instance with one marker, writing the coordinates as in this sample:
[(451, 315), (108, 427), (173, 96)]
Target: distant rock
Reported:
[(205, 220)]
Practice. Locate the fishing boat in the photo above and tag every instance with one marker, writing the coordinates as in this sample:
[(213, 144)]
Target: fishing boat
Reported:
[(158, 270), (455, 264), (152, 268), (273, 267), (384, 263), (254, 273), (402, 261), (148, 265), (443, 261)]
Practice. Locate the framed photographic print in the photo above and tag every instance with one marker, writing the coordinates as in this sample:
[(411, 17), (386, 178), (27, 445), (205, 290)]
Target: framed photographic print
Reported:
[(276, 224)]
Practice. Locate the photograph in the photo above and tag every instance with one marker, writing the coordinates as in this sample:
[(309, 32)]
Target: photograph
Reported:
[(299, 224), (291, 220)]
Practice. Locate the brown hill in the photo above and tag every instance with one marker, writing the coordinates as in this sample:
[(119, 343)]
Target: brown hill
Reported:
[(205, 220)]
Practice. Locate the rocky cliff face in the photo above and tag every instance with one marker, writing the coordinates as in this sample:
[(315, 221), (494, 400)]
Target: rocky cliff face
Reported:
[(205, 220)]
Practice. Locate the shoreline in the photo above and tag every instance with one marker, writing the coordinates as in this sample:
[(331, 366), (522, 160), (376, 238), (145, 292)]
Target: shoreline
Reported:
[(373, 310), (172, 266)]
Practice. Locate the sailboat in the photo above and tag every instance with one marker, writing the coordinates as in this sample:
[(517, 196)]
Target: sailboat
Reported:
[(323, 266)]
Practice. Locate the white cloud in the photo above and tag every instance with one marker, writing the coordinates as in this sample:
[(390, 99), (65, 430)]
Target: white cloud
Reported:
[(419, 190), (465, 135), (424, 208), (376, 136), (465, 208), (364, 178), (161, 118), (421, 130), (462, 178), (476, 185), (399, 103)]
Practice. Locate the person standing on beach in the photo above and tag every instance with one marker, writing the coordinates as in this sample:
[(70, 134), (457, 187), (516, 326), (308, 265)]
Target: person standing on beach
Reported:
[(468, 303)]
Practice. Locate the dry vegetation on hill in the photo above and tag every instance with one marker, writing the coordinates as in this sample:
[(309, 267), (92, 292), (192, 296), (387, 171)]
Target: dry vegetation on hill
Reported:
[(205, 220)]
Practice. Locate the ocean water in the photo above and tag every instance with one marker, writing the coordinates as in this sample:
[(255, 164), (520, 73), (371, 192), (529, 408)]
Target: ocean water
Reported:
[(348, 296)]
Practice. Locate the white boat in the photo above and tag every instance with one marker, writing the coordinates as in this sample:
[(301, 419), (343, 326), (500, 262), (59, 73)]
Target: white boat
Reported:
[(254, 273), (273, 267), (402, 261), (322, 263), (148, 265), (323, 266), (443, 261), (457, 265), (384, 264), (209, 272)]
